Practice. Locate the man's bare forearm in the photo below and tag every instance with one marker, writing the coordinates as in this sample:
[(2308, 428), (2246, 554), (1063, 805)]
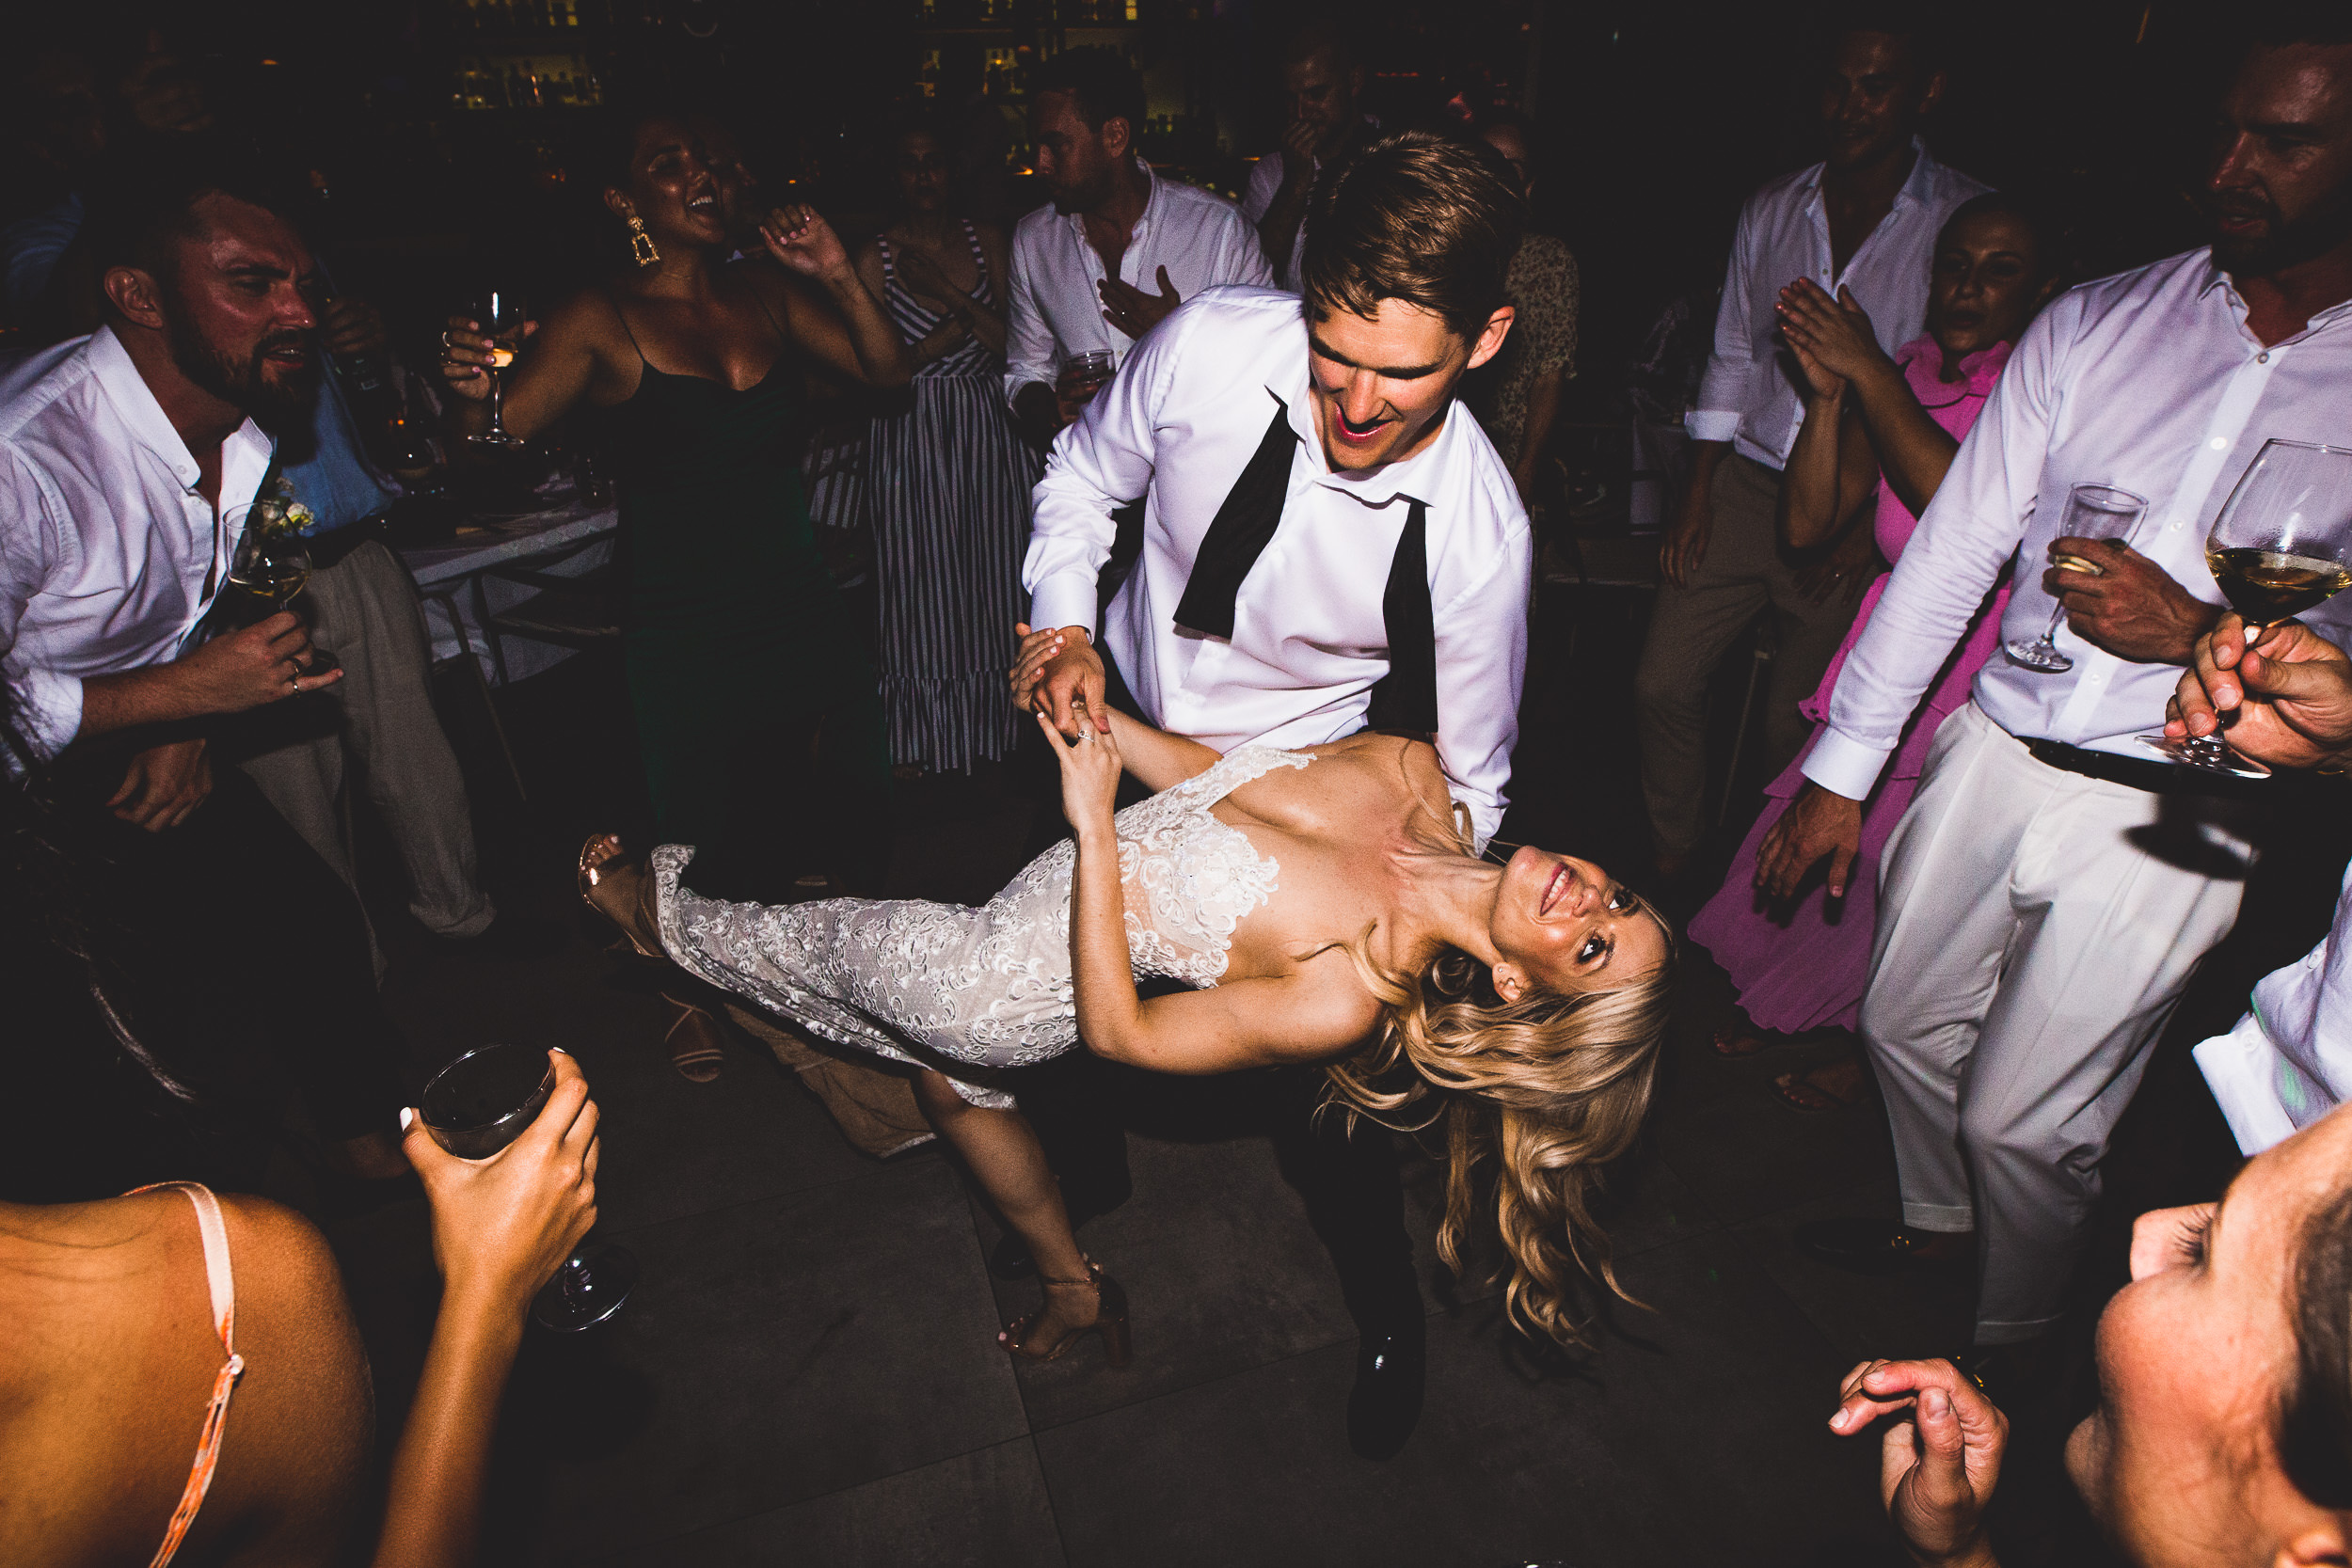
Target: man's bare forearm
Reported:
[(156, 695)]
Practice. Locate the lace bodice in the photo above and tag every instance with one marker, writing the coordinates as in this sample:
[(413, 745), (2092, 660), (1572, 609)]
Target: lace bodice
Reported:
[(944, 984)]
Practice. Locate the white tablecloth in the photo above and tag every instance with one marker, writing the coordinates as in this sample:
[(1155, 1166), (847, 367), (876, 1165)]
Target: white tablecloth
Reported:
[(477, 548)]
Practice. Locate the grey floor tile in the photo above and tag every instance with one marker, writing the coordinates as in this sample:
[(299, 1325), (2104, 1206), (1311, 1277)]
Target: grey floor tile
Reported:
[(1917, 1314), (987, 1509), (1707, 1430), (776, 1351)]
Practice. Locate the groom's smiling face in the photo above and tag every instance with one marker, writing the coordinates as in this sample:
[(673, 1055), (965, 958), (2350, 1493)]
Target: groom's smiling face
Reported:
[(1381, 382)]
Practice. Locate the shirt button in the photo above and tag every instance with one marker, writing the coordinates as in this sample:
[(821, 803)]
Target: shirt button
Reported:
[(2220, 443), (2263, 359)]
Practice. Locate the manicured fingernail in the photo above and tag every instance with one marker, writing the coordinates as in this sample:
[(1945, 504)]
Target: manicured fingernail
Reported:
[(559, 1050), (407, 1118)]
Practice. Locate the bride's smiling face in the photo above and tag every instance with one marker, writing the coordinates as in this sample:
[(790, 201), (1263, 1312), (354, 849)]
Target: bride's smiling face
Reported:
[(1564, 925)]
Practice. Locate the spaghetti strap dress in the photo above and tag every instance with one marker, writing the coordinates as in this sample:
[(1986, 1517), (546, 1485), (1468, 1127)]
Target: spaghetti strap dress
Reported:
[(948, 491), (742, 662)]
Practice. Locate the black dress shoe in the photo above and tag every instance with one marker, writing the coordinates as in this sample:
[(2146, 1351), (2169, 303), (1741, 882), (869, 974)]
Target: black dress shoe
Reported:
[(1391, 1369), (1873, 1246)]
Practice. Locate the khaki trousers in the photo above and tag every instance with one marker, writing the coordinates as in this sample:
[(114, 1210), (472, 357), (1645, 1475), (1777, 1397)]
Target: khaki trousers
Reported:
[(2035, 928), (364, 610), (1743, 572)]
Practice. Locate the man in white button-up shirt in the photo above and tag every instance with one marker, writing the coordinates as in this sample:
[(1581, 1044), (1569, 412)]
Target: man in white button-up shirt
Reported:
[(2043, 905), (1321, 80), (1116, 250), (1326, 535), (128, 461), (1864, 220)]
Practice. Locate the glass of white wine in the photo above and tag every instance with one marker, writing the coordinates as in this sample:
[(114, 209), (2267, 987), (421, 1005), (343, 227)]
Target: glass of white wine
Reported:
[(2281, 544), (501, 315), (270, 569), (2092, 511)]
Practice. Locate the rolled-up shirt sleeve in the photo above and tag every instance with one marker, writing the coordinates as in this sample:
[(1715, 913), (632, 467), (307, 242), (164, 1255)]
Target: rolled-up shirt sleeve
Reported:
[(1482, 664), (1724, 389), (1968, 532), (1098, 464), (48, 702), (1028, 340)]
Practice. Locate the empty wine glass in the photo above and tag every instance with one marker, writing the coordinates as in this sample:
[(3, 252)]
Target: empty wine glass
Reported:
[(2280, 545), (501, 315), (476, 1107), (2092, 511)]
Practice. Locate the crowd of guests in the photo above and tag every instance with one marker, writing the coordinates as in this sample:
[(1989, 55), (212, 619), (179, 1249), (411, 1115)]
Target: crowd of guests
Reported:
[(1226, 508)]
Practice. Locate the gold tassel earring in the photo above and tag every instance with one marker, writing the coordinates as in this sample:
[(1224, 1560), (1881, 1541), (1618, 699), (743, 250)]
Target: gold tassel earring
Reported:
[(640, 243)]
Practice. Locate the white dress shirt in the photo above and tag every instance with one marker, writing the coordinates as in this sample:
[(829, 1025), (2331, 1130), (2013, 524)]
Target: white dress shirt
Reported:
[(2148, 381), (1265, 183), (1177, 426), (105, 546), (1746, 397), (2289, 1061), (1057, 308)]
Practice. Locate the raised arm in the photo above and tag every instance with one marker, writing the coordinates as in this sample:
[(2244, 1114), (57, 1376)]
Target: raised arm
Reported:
[(1837, 334), (559, 367), (1482, 665), (1315, 1014), (833, 316)]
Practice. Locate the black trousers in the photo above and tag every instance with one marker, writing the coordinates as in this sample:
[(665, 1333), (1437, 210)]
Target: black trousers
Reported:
[(245, 925), (1354, 1195)]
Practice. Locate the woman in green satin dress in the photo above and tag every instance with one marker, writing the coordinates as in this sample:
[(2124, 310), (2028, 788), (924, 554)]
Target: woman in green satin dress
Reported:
[(734, 628), (756, 706)]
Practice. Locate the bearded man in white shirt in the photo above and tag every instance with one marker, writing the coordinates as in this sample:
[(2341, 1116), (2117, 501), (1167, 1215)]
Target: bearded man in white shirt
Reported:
[(1116, 250), (1322, 80), (128, 461), (2052, 887), (1864, 222), (1328, 543)]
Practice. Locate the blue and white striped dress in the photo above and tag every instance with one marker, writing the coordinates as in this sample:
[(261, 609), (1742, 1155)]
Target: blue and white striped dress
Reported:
[(947, 487)]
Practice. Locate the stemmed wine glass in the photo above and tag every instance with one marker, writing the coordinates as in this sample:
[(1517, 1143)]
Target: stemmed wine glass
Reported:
[(501, 315), (476, 1107), (2281, 544), (270, 568), (2092, 511)]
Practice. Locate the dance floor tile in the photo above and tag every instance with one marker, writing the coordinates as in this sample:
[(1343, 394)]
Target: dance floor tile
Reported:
[(777, 1350), (1222, 1270), (1702, 1427), (987, 1509), (1906, 1315)]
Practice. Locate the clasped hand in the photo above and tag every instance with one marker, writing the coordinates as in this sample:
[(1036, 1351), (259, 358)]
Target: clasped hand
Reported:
[(1833, 339), (1057, 671), (2286, 700), (1091, 768)]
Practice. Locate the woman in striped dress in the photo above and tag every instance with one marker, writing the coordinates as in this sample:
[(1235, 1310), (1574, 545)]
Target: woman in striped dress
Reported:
[(947, 480)]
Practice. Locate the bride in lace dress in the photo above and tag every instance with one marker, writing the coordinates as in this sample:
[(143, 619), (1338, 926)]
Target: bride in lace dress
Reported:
[(1322, 905)]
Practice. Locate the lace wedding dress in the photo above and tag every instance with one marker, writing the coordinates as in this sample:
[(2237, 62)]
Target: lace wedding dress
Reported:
[(970, 991)]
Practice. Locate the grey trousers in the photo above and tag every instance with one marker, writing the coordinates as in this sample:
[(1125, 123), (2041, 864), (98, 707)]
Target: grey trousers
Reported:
[(364, 610), (2035, 929), (1743, 572)]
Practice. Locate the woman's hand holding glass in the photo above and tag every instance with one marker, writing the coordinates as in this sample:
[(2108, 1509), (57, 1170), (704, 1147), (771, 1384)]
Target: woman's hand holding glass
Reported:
[(504, 1225), (468, 357)]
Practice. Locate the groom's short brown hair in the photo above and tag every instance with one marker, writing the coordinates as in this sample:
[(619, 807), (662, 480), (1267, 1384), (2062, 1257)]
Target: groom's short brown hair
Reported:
[(1414, 216)]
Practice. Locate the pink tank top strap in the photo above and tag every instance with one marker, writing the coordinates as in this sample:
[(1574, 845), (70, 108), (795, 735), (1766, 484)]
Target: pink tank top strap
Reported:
[(222, 1286)]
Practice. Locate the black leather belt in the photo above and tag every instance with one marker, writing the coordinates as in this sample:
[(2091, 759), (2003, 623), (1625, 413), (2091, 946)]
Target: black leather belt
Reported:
[(2156, 778)]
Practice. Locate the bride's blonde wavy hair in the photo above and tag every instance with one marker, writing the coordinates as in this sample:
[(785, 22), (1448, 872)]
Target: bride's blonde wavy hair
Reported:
[(1547, 1089)]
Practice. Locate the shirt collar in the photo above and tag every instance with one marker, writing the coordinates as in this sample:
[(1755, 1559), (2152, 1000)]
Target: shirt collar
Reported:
[(1150, 205), (2213, 278), (1924, 169), (126, 390)]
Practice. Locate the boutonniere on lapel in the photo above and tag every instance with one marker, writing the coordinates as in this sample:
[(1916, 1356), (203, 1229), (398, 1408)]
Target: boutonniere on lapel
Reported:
[(279, 512)]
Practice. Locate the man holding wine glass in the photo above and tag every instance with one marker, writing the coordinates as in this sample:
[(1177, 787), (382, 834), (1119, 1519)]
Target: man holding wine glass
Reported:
[(129, 460), (2053, 886)]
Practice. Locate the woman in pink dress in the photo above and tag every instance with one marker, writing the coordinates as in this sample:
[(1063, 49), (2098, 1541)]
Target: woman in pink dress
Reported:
[(1888, 427)]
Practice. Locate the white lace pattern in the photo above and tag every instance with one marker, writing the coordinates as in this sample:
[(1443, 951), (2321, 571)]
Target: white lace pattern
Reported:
[(968, 990)]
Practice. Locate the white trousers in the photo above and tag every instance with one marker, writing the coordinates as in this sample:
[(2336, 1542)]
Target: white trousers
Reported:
[(2035, 928), (364, 610)]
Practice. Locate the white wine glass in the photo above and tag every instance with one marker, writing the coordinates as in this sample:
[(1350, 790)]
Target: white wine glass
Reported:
[(269, 570), (2092, 511), (501, 315), (2281, 544)]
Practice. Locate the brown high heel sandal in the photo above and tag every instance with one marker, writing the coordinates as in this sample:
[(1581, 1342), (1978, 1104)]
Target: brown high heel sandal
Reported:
[(1110, 1321), (696, 1034), (590, 876)]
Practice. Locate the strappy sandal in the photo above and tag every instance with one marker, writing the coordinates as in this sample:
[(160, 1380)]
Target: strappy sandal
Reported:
[(592, 876), (1110, 1321), (694, 1042)]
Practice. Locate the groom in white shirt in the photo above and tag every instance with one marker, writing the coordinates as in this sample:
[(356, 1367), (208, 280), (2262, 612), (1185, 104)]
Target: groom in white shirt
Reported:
[(1328, 543)]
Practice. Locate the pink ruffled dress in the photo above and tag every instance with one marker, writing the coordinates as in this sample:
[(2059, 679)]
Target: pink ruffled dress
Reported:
[(1803, 966)]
